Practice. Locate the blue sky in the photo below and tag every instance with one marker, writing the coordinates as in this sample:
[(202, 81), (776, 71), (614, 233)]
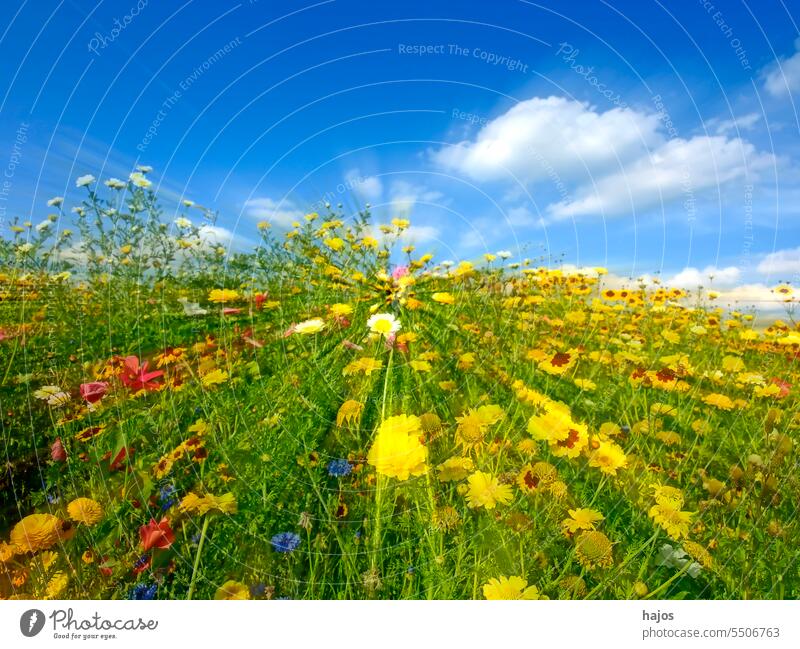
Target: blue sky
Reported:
[(644, 136)]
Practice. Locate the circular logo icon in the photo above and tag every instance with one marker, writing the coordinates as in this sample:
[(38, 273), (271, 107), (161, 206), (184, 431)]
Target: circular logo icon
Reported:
[(31, 622)]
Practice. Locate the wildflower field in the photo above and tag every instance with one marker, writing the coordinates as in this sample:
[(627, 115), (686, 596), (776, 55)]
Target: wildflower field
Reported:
[(334, 415)]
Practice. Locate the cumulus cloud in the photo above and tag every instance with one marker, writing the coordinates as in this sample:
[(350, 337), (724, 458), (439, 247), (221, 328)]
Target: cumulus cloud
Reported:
[(783, 76), (619, 160), (370, 188), (404, 195), (781, 262), (543, 137), (279, 213), (710, 276), (744, 123)]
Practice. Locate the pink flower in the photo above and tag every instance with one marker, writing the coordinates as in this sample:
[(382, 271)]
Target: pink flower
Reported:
[(94, 391), (58, 452), (230, 311), (136, 376), (399, 271), (348, 345), (156, 535)]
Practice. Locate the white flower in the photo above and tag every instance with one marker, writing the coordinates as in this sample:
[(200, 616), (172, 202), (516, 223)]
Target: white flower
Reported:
[(309, 326), (188, 203), (88, 179), (183, 223), (447, 263), (25, 247), (145, 169), (55, 201), (191, 308), (41, 227), (504, 254), (384, 324), (53, 394), (78, 210), (139, 180), (115, 183), (676, 559)]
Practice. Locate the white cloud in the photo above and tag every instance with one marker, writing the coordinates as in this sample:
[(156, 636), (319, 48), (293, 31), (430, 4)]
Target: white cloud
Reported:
[(677, 170), (551, 136), (279, 213), (405, 195), (743, 123), (783, 77), (693, 277), (369, 188), (620, 160), (781, 262)]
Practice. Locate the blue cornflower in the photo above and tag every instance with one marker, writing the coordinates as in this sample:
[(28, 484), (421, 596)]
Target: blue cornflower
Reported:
[(167, 497), (285, 542), (339, 468), (143, 591)]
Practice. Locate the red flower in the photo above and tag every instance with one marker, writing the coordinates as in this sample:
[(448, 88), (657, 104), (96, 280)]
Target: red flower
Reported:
[(156, 535), (231, 311), (783, 385), (94, 391), (57, 451), (136, 376), (260, 298), (121, 459)]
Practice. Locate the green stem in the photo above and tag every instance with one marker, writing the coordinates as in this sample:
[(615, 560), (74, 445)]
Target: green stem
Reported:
[(197, 557)]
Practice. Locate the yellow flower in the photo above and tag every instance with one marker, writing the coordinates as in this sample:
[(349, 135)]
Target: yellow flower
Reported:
[(334, 243), (581, 519), (340, 309), (608, 457), (674, 521), (57, 585), (384, 324), (719, 401), (593, 550), (486, 491), (86, 511), (194, 504), (7, 552), (420, 366), (232, 590), (510, 588), (455, 469), (37, 532), (466, 361), (397, 451), (222, 295), (214, 377), (310, 326), (349, 412), (365, 365), (443, 298)]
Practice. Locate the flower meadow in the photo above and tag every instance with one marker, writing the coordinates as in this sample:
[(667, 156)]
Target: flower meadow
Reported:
[(336, 415)]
